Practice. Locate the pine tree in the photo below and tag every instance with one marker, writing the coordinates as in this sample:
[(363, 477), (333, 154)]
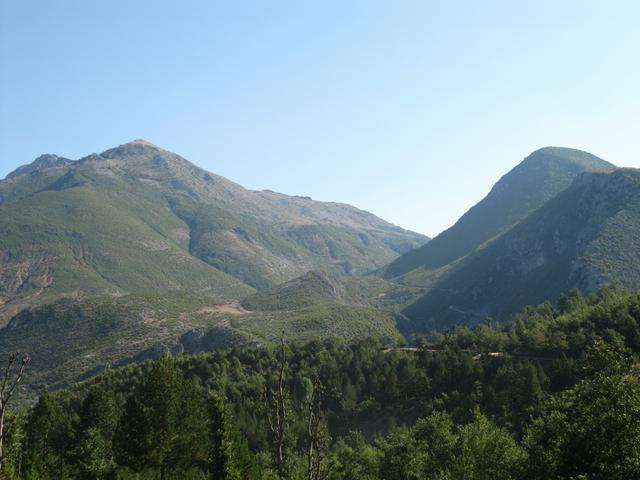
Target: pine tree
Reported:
[(163, 425), (48, 441), (98, 420), (223, 452)]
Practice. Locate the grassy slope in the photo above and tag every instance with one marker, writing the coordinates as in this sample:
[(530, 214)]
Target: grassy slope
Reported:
[(315, 288), (94, 241)]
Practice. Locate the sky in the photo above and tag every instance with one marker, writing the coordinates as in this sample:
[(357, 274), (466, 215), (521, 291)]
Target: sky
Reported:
[(411, 110)]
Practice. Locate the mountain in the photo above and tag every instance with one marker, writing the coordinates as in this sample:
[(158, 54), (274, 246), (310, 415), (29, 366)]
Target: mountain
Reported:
[(537, 179), (586, 237), (310, 289), (124, 255), (139, 219), (42, 162)]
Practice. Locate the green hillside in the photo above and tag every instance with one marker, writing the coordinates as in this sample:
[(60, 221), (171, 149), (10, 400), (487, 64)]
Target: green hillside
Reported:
[(69, 338), (139, 219), (537, 179), (315, 288), (72, 338), (553, 393), (319, 321), (84, 239), (309, 289), (586, 237)]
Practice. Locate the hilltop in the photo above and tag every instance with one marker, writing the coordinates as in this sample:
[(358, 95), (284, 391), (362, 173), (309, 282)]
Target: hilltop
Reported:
[(586, 237), (528, 186)]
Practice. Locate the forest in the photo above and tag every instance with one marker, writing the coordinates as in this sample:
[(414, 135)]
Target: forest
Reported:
[(552, 394)]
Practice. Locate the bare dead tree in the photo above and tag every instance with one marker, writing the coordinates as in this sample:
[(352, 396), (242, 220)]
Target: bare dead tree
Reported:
[(315, 434), (17, 362), (277, 412)]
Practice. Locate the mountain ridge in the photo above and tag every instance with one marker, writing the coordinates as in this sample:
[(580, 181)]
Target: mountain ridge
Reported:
[(526, 187), (587, 237), (101, 223)]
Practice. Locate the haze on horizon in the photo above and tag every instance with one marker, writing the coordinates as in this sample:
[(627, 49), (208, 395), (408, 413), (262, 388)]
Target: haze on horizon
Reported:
[(410, 110)]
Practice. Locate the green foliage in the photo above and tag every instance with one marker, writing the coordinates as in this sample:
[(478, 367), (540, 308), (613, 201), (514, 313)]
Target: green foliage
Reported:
[(354, 458), (48, 441), (162, 424), (98, 421), (591, 430), (14, 444), (487, 452), (434, 448), (229, 456), (552, 394)]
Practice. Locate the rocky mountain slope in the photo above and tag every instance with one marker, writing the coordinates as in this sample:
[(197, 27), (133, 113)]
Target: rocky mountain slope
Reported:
[(137, 218), (586, 237), (134, 252), (528, 186)]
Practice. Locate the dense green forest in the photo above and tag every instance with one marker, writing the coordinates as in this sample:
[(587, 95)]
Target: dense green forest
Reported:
[(552, 394)]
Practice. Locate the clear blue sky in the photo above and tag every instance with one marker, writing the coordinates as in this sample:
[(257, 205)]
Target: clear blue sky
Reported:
[(411, 110)]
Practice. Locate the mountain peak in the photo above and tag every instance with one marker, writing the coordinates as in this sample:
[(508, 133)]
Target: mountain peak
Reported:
[(47, 160), (585, 237), (584, 160), (134, 147), (551, 149), (529, 185), (141, 141)]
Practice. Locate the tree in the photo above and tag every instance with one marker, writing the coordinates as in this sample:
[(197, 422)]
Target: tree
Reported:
[(402, 458), (486, 452), (15, 367), (434, 434), (162, 428), (48, 441), (98, 420), (14, 445), (591, 430), (424, 451), (224, 450), (353, 458)]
